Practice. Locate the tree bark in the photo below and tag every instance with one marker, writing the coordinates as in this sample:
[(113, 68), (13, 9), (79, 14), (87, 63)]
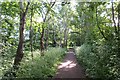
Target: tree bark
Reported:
[(60, 44), (118, 29), (118, 18), (19, 53), (43, 30), (46, 37), (41, 40), (113, 17), (31, 33), (65, 37), (54, 38)]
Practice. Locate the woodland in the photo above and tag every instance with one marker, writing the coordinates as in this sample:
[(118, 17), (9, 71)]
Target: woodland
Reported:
[(35, 35)]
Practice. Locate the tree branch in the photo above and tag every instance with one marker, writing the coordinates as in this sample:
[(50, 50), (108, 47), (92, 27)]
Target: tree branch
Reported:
[(8, 23), (99, 26), (25, 12), (118, 17), (113, 16), (51, 5)]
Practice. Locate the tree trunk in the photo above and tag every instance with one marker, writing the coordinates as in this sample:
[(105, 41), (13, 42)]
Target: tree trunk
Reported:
[(54, 38), (41, 40), (118, 24), (118, 29), (31, 33), (60, 44), (65, 36), (113, 16), (46, 37), (19, 53), (43, 30)]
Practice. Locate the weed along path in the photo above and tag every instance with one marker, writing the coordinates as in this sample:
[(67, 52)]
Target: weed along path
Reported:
[(70, 68)]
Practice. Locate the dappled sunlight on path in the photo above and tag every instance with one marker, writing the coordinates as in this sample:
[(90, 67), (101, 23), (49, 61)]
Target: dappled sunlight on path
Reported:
[(69, 68), (67, 64)]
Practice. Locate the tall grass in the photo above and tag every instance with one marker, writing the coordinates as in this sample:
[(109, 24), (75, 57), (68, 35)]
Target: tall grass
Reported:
[(41, 66)]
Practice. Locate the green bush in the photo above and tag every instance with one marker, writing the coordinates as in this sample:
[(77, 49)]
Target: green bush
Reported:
[(100, 61), (7, 53), (41, 66)]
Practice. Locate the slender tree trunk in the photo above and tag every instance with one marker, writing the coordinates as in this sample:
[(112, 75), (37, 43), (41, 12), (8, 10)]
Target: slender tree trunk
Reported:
[(42, 34), (42, 40), (60, 44), (54, 37), (118, 19), (19, 53), (34, 40), (118, 29), (113, 16), (31, 33), (65, 37), (46, 37), (43, 30)]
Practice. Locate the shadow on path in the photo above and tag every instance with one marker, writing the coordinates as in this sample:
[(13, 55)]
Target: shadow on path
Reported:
[(70, 68)]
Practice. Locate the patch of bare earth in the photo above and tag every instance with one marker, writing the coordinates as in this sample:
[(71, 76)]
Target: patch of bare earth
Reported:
[(70, 68)]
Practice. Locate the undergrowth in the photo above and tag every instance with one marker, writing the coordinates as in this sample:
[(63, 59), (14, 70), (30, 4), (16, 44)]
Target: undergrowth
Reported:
[(41, 66), (100, 61)]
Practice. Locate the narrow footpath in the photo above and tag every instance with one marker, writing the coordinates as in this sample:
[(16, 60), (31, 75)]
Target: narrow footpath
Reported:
[(70, 68)]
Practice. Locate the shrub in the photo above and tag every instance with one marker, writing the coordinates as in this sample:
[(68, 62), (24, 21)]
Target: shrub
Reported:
[(42, 66), (100, 61), (7, 53)]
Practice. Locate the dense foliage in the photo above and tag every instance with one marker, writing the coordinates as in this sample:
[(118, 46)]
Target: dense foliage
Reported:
[(28, 29), (99, 61), (41, 66)]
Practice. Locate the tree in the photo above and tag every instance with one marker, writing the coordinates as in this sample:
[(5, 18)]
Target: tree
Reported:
[(19, 53), (49, 6), (31, 32), (118, 28)]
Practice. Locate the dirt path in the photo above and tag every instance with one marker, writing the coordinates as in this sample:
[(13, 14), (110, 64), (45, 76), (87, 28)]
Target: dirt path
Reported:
[(70, 68)]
